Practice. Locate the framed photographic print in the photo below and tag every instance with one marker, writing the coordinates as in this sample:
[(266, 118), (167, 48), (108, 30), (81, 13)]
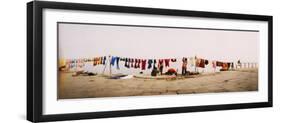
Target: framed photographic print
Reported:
[(89, 61)]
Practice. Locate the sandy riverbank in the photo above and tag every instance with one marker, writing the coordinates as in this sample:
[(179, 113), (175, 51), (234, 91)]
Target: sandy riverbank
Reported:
[(99, 86)]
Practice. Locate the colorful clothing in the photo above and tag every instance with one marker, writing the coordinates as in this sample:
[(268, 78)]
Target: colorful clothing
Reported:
[(218, 63), (200, 62), (167, 62), (150, 61), (104, 59), (117, 62), (143, 64), (132, 62), (173, 60), (214, 65), (112, 61), (206, 62), (127, 63), (160, 62), (161, 65)]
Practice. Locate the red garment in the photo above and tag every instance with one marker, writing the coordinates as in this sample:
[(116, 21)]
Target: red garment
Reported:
[(143, 63), (167, 62), (160, 62), (200, 63), (172, 70), (225, 66)]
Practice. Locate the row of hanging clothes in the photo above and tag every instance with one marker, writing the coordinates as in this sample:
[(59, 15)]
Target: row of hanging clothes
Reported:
[(80, 63), (202, 63), (143, 64)]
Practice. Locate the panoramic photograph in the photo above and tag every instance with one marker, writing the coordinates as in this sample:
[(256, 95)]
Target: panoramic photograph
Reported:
[(114, 60)]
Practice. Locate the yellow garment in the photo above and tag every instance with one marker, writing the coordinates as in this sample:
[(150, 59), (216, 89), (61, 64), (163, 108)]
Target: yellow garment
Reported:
[(95, 61), (99, 60)]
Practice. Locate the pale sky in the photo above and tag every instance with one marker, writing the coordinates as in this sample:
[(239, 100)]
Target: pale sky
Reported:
[(86, 41)]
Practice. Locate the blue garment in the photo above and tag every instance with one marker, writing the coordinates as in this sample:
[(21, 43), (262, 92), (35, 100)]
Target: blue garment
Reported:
[(112, 62), (113, 59)]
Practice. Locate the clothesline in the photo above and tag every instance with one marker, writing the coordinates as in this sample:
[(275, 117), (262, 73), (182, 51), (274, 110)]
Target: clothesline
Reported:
[(178, 58), (141, 63), (154, 64), (102, 59)]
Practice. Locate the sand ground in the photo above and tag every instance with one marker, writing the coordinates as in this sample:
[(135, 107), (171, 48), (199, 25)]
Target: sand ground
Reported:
[(99, 86)]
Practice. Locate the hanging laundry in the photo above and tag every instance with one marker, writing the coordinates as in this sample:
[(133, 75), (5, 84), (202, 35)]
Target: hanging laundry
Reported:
[(214, 64), (228, 65), (137, 63), (161, 65), (127, 63), (104, 59), (94, 61), (218, 63), (150, 61), (232, 65), (112, 61), (174, 60), (143, 64), (206, 62), (167, 62), (132, 62), (99, 60), (160, 62), (154, 63), (117, 62)]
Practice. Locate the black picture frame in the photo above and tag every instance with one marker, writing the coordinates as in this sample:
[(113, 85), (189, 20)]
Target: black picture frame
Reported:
[(35, 69)]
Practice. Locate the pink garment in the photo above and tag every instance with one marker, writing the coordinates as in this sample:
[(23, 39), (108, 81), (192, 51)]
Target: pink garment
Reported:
[(214, 64)]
